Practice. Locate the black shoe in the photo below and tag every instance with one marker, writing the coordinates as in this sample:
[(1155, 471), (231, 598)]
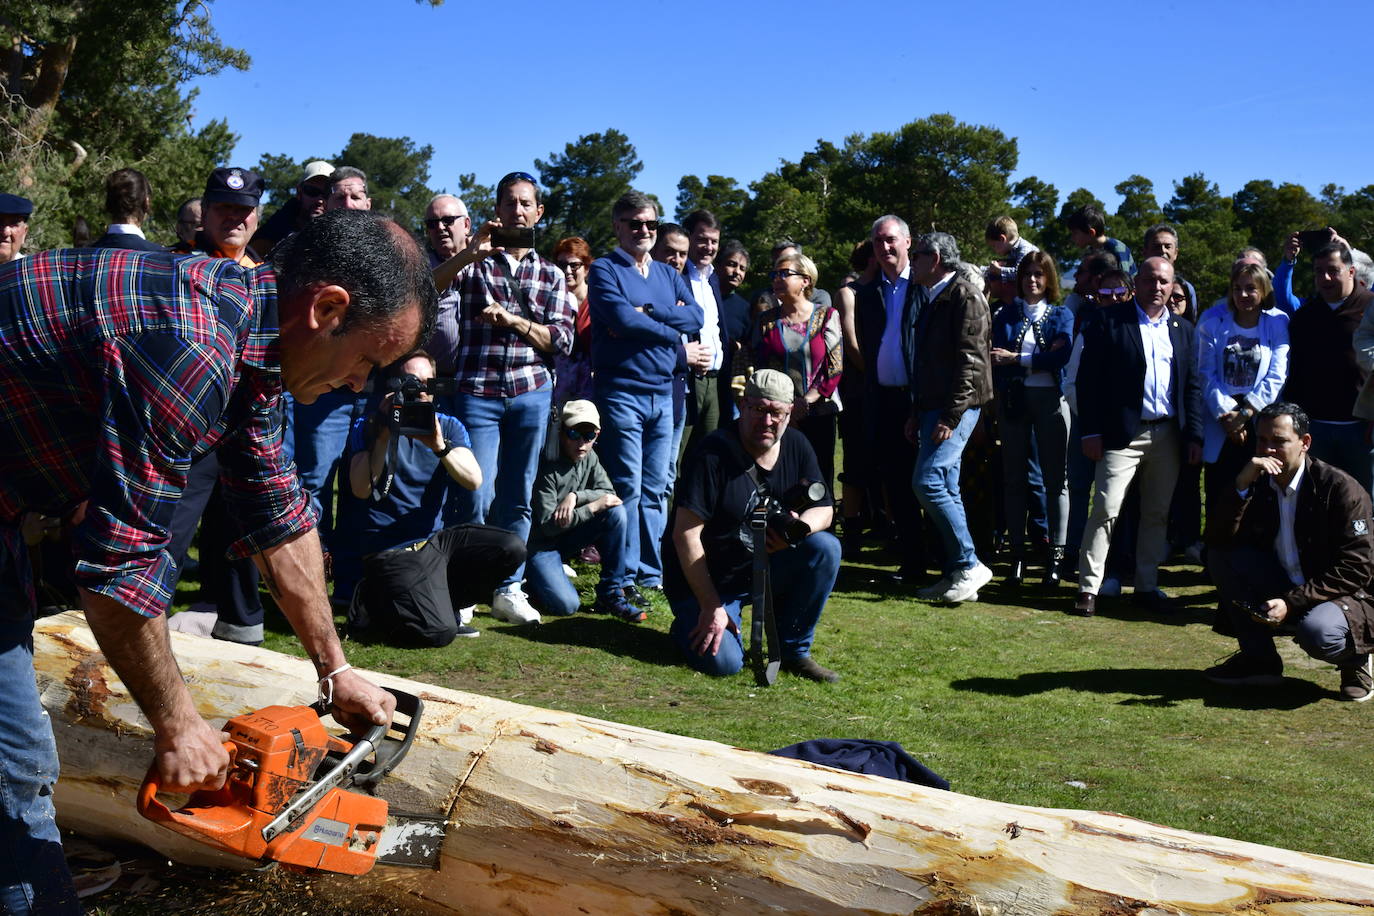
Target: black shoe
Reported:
[(807, 667), (1053, 566), (1086, 606), (1018, 572), (1154, 601), (636, 597), (1247, 670)]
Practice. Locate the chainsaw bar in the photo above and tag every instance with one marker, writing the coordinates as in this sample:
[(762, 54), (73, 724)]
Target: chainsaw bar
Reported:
[(412, 840)]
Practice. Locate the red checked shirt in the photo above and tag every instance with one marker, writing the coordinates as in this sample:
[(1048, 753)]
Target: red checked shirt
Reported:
[(117, 369), (495, 362)]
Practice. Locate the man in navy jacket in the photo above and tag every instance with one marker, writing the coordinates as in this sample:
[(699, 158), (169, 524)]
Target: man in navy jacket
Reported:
[(639, 308), (1139, 411)]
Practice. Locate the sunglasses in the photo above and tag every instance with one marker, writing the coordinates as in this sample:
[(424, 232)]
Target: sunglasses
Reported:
[(1113, 291), (434, 222), (578, 435), (513, 177), (637, 224)]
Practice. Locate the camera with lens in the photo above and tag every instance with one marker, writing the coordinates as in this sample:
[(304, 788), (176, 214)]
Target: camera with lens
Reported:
[(776, 513), (411, 415)]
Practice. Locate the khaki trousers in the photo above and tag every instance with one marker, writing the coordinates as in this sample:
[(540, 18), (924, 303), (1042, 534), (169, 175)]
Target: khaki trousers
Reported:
[(1154, 456)]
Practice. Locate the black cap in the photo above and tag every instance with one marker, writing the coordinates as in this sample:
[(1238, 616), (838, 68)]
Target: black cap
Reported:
[(233, 186), (16, 205)]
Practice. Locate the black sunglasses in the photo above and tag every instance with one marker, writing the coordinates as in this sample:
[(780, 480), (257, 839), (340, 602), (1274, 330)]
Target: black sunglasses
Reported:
[(433, 222), (577, 435), (651, 224)]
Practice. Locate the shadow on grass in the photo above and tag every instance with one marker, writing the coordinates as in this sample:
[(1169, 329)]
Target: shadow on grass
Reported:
[(1154, 687), (642, 644)]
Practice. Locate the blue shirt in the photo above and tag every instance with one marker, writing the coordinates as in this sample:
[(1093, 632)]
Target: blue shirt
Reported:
[(891, 362), (1159, 364), (421, 490)]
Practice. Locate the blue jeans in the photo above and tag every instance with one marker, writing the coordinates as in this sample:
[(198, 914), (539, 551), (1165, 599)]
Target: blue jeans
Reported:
[(802, 578), (546, 582), (651, 550), (1345, 445), (636, 439), (319, 433), (33, 872), (507, 437), (936, 482)]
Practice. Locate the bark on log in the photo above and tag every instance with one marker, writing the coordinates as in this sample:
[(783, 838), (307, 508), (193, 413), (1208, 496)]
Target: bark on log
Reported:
[(555, 813)]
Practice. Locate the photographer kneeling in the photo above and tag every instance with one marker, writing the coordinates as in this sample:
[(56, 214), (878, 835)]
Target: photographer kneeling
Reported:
[(409, 462), (708, 577), (1292, 552)]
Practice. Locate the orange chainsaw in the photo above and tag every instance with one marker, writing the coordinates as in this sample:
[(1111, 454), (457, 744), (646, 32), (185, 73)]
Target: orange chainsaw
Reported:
[(291, 795)]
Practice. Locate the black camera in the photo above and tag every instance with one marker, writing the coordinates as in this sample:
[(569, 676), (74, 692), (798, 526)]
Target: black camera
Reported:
[(410, 414), (777, 513)]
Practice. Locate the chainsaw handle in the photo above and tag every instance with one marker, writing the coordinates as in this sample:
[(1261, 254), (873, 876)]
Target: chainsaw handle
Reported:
[(391, 751), (148, 804)]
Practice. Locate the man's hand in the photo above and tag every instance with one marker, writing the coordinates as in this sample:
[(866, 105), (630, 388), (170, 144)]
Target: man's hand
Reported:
[(1255, 468), (435, 440), (190, 756), (1291, 247), (940, 433), (480, 244), (360, 704), (1092, 448), (698, 356), (1274, 611), (711, 626), (1003, 357), (563, 515)]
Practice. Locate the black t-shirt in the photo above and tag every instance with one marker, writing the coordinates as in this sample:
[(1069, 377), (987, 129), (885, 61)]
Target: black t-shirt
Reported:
[(715, 485)]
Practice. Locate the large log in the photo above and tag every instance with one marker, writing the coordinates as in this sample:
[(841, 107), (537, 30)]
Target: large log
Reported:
[(551, 813)]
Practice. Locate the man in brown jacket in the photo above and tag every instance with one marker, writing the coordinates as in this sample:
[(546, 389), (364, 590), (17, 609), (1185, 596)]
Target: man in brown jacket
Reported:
[(1297, 556), (947, 350)]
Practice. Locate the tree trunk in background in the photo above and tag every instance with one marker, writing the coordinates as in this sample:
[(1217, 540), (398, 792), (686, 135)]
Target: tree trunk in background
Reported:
[(552, 813)]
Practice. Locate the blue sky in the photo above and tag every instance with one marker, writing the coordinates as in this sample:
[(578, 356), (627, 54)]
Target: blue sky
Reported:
[(1093, 92)]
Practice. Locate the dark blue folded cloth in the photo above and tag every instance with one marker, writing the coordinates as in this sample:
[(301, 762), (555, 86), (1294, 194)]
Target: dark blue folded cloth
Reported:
[(875, 758)]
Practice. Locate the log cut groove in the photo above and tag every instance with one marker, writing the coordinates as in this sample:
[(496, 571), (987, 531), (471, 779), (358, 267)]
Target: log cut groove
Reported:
[(555, 813)]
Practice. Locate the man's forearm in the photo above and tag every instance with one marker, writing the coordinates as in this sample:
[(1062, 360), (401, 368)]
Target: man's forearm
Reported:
[(294, 573), (140, 652), (692, 556)]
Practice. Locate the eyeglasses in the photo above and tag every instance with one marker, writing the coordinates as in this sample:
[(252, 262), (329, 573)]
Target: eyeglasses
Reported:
[(776, 414), (577, 435), (637, 224), (1179, 297), (1113, 291), (784, 273), (434, 222), (513, 177), (571, 265)]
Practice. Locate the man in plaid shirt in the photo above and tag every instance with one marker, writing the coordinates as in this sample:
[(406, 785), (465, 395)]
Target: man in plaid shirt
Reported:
[(117, 370), (515, 314)]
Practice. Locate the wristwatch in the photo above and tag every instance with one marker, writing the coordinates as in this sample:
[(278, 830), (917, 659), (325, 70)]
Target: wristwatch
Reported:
[(440, 453)]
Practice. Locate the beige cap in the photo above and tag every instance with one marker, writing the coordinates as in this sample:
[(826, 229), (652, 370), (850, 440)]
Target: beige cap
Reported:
[(771, 385), (576, 413), (317, 169)]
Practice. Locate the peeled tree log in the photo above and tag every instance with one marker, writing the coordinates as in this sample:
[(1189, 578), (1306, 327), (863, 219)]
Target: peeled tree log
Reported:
[(550, 812)]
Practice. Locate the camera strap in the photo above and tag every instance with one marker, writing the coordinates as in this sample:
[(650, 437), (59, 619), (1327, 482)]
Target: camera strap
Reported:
[(764, 655)]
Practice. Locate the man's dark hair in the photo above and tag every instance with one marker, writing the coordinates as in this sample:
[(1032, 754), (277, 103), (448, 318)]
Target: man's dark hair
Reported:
[(1331, 248), (732, 247), (515, 178), (633, 202), (1155, 230), (126, 196), (1087, 219), (667, 229), (1301, 425), (782, 246), (862, 255), (1099, 262), (698, 219), (376, 261)]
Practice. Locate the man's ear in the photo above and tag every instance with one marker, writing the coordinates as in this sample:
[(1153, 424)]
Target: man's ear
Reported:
[(328, 306)]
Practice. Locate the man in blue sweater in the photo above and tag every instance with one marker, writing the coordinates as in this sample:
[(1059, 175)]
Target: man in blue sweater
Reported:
[(639, 308)]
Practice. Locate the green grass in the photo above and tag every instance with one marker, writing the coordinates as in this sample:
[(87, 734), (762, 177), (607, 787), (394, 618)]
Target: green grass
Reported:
[(1010, 699)]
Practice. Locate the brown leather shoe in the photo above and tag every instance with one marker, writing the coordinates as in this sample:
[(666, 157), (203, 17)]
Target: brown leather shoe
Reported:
[(1086, 605)]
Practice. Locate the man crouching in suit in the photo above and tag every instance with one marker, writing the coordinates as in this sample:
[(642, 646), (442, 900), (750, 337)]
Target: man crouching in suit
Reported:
[(1140, 412), (1295, 556)]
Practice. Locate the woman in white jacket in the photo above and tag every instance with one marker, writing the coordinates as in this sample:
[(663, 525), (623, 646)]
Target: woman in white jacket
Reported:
[(1243, 362)]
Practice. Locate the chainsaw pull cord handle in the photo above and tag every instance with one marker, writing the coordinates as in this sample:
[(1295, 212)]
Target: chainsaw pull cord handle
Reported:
[(326, 697), (148, 804)]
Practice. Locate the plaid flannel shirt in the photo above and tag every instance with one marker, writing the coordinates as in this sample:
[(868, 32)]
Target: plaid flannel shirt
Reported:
[(117, 369), (496, 362)]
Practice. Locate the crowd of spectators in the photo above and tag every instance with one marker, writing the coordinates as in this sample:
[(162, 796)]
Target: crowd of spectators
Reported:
[(630, 409)]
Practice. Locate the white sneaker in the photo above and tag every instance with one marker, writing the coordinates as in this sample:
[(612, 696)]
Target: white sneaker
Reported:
[(1110, 588), (512, 606), (964, 584), (465, 614), (935, 589), (569, 571)]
